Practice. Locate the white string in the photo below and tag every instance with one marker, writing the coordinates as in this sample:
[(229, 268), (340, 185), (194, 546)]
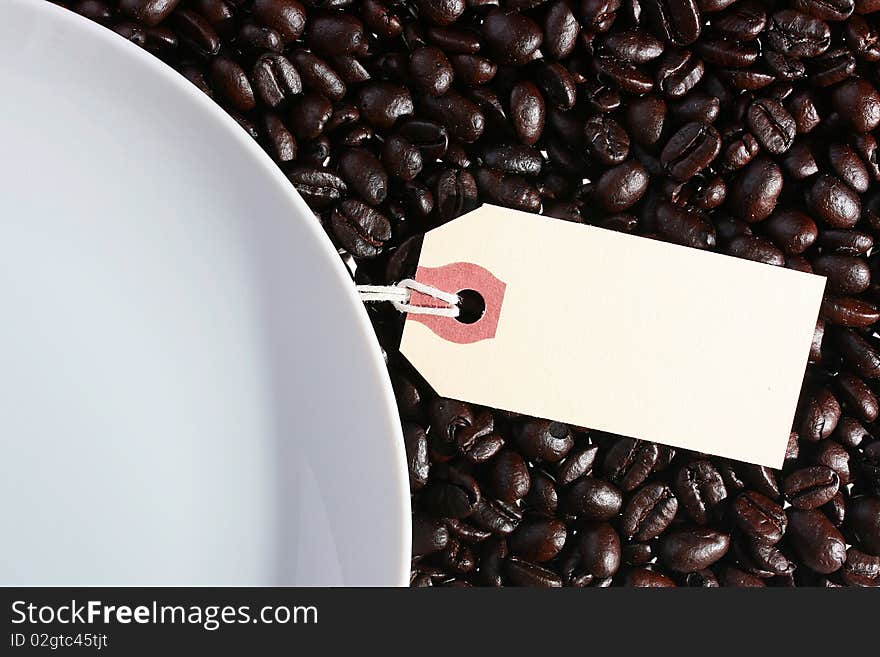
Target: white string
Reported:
[(400, 295)]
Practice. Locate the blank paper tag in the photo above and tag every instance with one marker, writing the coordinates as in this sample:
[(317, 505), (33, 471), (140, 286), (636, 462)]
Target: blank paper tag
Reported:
[(618, 333)]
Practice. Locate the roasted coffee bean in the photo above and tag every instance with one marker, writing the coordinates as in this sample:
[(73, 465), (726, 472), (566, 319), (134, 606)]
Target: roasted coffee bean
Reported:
[(512, 38), (561, 30), (519, 572), (472, 70), (819, 415), (418, 464), (846, 242), (455, 192), (318, 75), (318, 187), (462, 118), (744, 21), (647, 578), (364, 175), (834, 456), (849, 167), (792, 231), (689, 227), (756, 190), (286, 17), (576, 465), (700, 490), (688, 550), (847, 311), (645, 118), (382, 104), (678, 72), (514, 159), (510, 191), (275, 79), (634, 46), (309, 114), (648, 512), (756, 248), (401, 158), (832, 201), (527, 112), (677, 21), (441, 12), (734, 577), (360, 229), (599, 15), (759, 517), (858, 103), (196, 33), (542, 496), (861, 569), (599, 548), (281, 141), (698, 108), (809, 488), (538, 539), (797, 34), (594, 499), (430, 71), (509, 476), (862, 38), (625, 75), (148, 12), (454, 494), (863, 520), (606, 140), (763, 559), (544, 440), (622, 186), (771, 123), (231, 84), (860, 355), (629, 462), (690, 150), (817, 542), (335, 34), (728, 53)]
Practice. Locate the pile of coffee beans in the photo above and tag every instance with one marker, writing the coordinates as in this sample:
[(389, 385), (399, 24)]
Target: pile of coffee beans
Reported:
[(742, 126)]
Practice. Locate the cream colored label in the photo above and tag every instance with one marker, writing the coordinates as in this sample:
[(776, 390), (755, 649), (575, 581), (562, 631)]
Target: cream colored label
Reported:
[(625, 334)]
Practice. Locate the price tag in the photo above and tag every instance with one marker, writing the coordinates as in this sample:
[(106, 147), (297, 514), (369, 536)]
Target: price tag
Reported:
[(616, 332)]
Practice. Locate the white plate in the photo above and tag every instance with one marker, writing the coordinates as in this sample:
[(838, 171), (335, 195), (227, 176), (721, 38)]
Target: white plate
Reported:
[(190, 392)]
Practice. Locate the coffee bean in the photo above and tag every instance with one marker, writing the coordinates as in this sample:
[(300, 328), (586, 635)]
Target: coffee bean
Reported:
[(622, 186), (527, 110), (599, 548), (286, 17), (511, 37), (809, 488), (196, 33), (441, 12), (700, 490), (462, 118), (606, 140), (858, 103), (594, 499), (275, 79), (648, 512), (688, 550), (429, 535), (756, 248), (430, 71), (689, 227), (231, 84), (792, 231), (281, 140), (148, 12), (561, 29), (309, 114), (647, 578), (360, 229), (318, 76), (576, 465), (419, 466), (629, 462), (544, 440), (538, 539), (509, 476), (832, 201), (759, 517), (382, 104), (771, 123), (472, 70), (863, 520), (318, 187), (510, 191), (524, 573), (847, 311), (678, 72), (690, 150), (364, 175), (816, 541), (335, 34), (514, 159), (756, 190), (744, 21), (834, 456), (677, 21), (797, 34), (634, 46), (861, 569), (645, 118)]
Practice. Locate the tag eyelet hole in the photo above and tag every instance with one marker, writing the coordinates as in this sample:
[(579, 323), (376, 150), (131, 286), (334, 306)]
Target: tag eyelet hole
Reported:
[(472, 306)]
